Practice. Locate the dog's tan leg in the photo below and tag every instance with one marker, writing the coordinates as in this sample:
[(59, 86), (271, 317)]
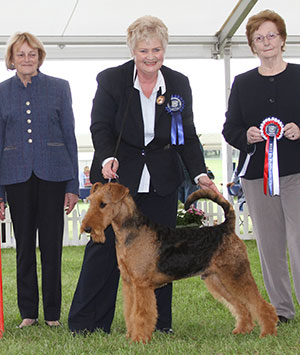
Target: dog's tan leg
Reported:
[(128, 304), (244, 323), (144, 314), (247, 300), (262, 311)]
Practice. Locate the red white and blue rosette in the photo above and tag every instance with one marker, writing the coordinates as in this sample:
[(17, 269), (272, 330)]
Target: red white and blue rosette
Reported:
[(271, 130), (175, 107)]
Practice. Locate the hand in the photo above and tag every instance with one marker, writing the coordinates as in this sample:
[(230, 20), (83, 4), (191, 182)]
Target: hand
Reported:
[(291, 131), (70, 202), (205, 182), (2, 210), (109, 170), (254, 135)]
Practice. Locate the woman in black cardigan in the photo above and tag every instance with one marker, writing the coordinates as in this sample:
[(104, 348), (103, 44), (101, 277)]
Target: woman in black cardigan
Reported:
[(263, 102), (146, 95)]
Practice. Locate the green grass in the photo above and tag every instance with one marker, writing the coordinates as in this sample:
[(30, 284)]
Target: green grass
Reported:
[(201, 324)]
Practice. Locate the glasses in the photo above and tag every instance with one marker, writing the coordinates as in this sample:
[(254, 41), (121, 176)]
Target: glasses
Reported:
[(260, 38)]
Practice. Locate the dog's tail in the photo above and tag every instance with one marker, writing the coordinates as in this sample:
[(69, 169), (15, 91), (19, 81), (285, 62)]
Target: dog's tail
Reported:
[(220, 200)]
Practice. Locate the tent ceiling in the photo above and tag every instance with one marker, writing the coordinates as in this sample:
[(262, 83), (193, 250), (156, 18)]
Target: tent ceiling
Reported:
[(95, 29)]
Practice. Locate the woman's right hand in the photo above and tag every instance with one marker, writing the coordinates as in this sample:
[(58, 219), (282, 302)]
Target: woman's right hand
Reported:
[(2, 210), (109, 170), (254, 135)]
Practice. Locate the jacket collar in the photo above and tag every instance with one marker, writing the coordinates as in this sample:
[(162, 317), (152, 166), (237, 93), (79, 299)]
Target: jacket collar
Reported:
[(34, 79)]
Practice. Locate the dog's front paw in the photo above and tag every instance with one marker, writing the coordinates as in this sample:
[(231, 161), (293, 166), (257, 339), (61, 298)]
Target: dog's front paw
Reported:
[(270, 331), (138, 338), (246, 329)]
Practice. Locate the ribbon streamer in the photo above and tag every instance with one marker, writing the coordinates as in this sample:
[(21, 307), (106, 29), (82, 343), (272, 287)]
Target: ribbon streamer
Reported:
[(177, 128), (270, 165), (175, 107), (266, 166), (271, 130)]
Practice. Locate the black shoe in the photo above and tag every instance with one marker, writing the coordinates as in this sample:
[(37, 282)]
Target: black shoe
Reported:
[(84, 333), (282, 320), (56, 324), (166, 330)]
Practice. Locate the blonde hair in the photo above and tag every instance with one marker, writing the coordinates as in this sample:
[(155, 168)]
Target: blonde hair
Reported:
[(144, 28), (256, 21), (17, 40)]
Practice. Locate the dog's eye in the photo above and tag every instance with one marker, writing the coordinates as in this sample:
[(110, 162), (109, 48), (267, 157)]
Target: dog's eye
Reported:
[(102, 204)]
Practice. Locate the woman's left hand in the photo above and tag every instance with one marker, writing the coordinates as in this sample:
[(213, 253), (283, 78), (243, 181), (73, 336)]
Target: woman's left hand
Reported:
[(291, 131), (205, 182), (70, 202)]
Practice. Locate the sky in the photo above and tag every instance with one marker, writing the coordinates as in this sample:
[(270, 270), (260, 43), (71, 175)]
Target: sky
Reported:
[(206, 78)]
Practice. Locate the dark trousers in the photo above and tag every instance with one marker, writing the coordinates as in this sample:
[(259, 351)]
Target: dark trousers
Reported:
[(94, 300), (38, 205)]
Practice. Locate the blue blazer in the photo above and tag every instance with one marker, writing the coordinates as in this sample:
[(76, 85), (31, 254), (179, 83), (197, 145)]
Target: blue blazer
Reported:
[(114, 97), (37, 132)]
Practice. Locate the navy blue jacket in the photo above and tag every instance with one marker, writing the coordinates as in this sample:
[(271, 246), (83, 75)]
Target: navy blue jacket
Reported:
[(37, 132)]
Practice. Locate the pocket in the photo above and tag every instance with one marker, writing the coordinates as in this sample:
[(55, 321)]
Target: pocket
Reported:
[(55, 144), (9, 148)]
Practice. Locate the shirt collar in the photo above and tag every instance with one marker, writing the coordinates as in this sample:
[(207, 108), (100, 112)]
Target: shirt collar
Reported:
[(160, 83)]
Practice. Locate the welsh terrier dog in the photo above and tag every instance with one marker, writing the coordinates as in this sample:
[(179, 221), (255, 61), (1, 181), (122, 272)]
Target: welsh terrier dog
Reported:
[(151, 255)]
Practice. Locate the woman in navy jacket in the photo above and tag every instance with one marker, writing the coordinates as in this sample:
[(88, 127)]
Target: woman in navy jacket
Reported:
[(145, 94), (38, 172), (269, 95)]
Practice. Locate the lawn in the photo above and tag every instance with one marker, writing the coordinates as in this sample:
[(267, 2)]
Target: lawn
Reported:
[(201, 324)]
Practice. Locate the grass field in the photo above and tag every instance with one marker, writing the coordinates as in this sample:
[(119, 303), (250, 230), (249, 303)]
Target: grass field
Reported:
[(201, 324)]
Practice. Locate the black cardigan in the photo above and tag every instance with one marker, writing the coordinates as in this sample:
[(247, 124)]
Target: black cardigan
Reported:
[(255, 97)]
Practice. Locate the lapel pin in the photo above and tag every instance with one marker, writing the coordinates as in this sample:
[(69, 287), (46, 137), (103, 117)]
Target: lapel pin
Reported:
[(160, 100)]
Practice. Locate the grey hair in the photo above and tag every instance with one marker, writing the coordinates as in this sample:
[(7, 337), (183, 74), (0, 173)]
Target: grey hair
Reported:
[(144, 28)]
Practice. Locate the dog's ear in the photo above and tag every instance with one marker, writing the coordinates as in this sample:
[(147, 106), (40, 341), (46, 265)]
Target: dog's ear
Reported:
[(118, 192), (95, 187)]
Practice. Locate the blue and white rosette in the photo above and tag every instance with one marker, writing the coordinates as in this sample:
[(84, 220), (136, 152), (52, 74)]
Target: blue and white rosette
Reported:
[(175, 107), (271, 130)]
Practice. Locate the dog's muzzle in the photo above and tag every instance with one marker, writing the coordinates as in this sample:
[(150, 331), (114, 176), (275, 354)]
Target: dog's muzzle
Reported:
[(88, 230)]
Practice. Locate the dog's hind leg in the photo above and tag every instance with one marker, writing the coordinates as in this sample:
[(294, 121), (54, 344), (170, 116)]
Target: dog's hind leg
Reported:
[(128, 304), (244, 296), (144, 314), (262, 311), (244, 323)]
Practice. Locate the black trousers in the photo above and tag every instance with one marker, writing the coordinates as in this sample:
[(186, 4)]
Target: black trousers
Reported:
[(38, 205), (94, 300)]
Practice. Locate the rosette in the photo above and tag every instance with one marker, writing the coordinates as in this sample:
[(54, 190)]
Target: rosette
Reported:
[(271, 130), (175, 107)]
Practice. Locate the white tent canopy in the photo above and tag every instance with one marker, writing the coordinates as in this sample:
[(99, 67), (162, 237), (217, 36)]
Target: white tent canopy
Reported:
[(95, 29)]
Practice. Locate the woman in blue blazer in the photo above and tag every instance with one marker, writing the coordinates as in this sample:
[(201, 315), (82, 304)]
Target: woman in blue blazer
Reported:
[(38, 172), (146, 95)]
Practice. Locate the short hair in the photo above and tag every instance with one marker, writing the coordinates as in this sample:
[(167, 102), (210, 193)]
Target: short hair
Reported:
[(257, 20), (144, 28), (17, 40)]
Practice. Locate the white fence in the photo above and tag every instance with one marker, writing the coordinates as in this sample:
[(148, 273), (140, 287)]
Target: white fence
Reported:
[(215, 215), (72, 235)]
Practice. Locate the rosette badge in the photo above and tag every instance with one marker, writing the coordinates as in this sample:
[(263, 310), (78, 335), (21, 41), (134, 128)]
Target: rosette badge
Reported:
[(271, 130), (175, 107), (271, 127)]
